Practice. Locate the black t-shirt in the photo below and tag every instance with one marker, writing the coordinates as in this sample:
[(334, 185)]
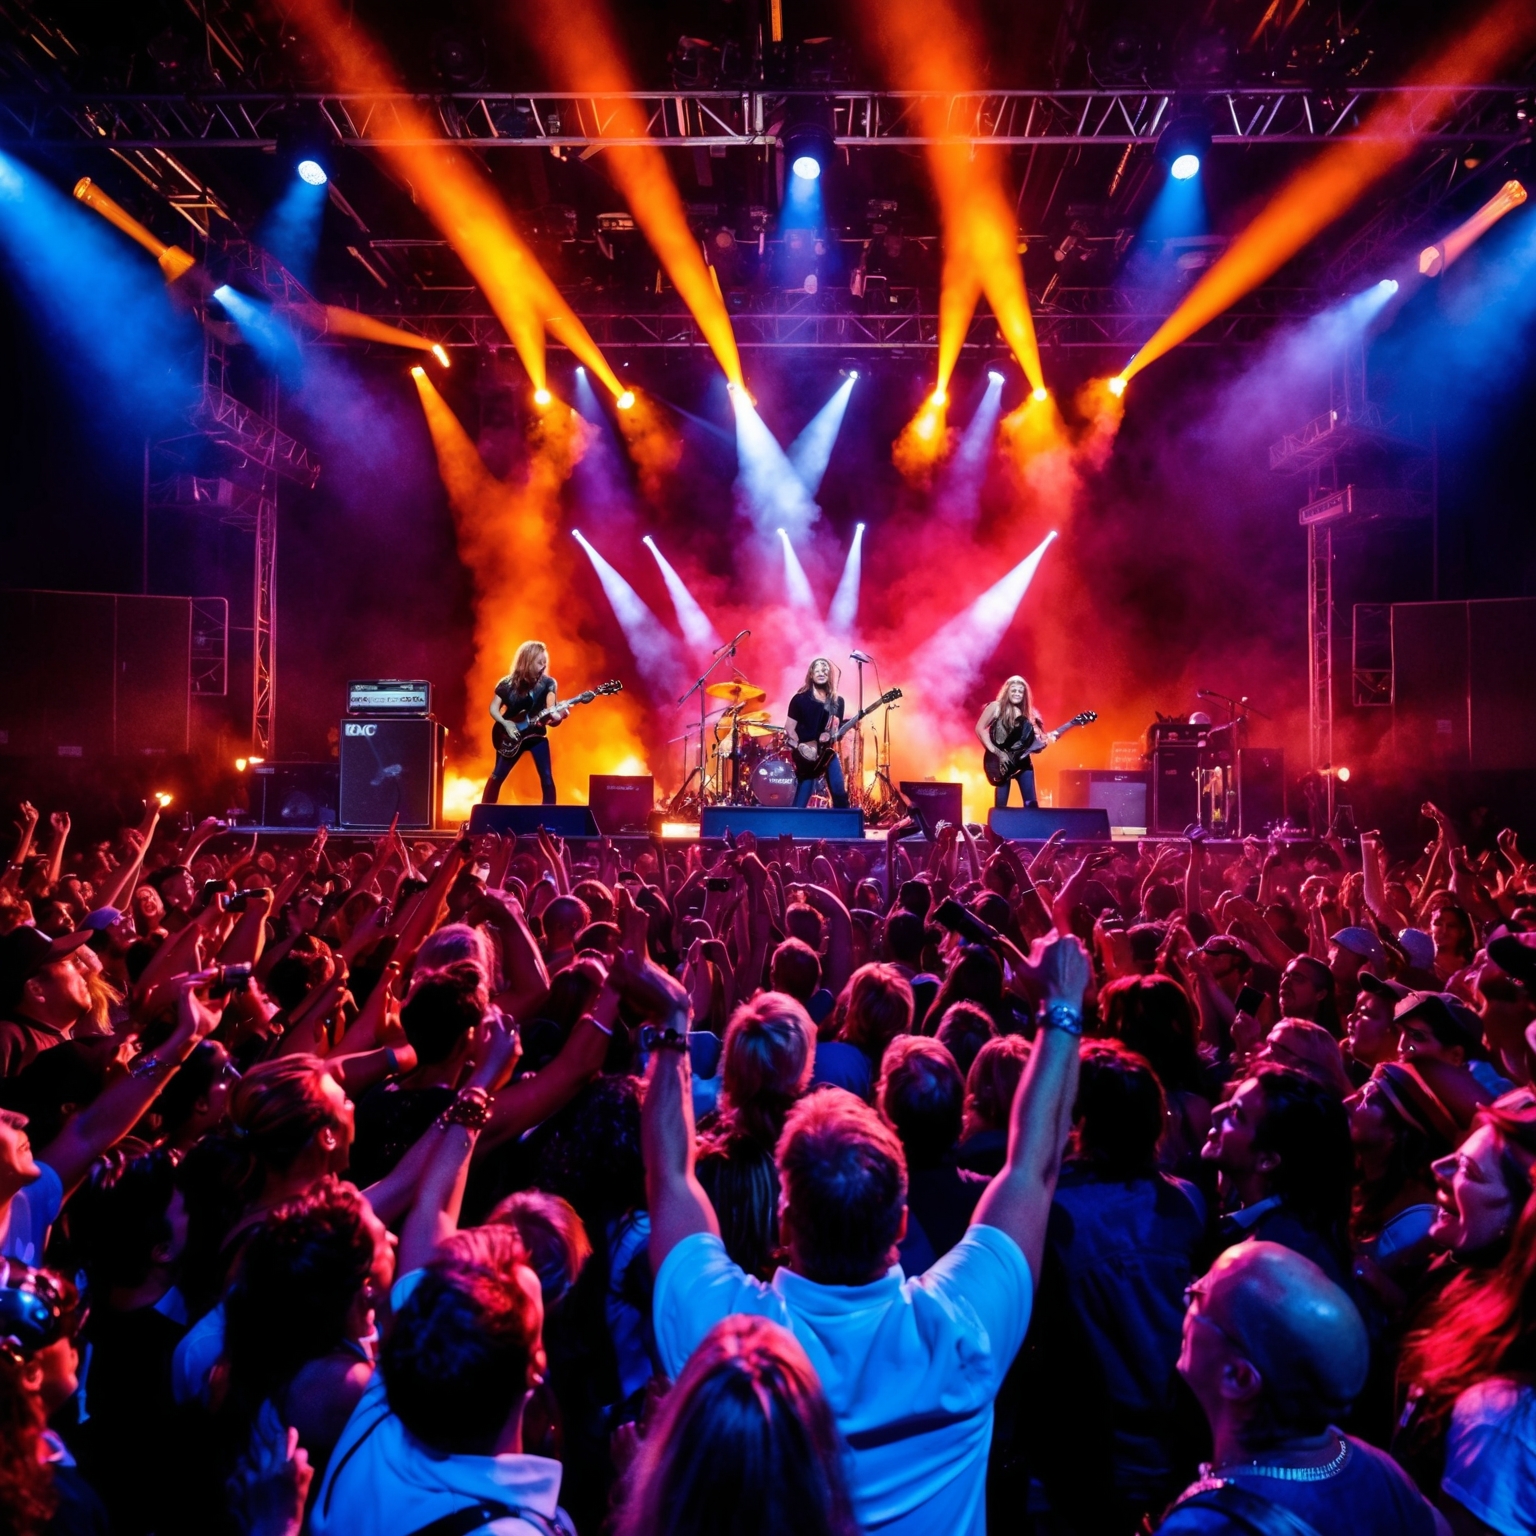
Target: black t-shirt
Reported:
[(519, 706), (810, 715), (389, 1121), (1022, 735)]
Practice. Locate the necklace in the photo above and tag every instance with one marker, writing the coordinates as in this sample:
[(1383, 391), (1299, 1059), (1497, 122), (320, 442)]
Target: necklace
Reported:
[(1317, 1474)]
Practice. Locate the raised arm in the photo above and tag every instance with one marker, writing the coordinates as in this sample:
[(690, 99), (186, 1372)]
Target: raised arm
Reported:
[(839, 962), (126, 875), (59, 822), (1018, 1200)]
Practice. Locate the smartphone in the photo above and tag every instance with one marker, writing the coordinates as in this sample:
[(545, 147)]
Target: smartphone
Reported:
[(1249, 1000), (230, 978), (718, 882), (950, 914)]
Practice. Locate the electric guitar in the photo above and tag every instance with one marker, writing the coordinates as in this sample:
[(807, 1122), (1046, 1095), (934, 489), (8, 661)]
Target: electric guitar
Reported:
[(510, 739), (1003, 765), (805, 768)]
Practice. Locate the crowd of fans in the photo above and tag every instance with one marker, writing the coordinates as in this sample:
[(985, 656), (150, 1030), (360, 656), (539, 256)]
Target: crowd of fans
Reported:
[(778, 1189)]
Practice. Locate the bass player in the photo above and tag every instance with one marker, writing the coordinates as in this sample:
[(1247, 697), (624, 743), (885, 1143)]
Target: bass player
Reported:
[(815, 713), (523, 692), (1009, 728)]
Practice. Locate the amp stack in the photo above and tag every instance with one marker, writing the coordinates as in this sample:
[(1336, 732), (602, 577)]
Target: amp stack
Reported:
[(392, 751)]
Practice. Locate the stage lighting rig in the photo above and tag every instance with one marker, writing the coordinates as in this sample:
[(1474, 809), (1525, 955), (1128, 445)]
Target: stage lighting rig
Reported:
[(459, 57), (304, 145), (1184, 144), (807, 138)]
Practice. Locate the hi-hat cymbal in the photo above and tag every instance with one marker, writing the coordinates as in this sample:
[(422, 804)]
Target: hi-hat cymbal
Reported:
[(737, 693)]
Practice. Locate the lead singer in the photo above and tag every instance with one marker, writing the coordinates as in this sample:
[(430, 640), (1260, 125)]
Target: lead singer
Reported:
[(815, 713)]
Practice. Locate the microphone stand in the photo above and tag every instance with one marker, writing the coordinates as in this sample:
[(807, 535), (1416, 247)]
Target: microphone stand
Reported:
[(726, 650), (857, 797)]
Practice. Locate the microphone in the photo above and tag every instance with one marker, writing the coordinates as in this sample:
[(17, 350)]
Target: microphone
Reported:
[(738, 639), (863, 656)]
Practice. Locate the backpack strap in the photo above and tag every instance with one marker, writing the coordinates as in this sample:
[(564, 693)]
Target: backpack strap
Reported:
[(461, 1522), (1252, 1511)]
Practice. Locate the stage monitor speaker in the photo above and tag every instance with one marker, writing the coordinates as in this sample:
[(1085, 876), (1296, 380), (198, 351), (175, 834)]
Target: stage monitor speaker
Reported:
[(621, 802), (1020, 825), (933, 803), (767, 822), (526, 820), (1121, 793), (391, 766), (1260, 789), (1175, 788), (298, 795)]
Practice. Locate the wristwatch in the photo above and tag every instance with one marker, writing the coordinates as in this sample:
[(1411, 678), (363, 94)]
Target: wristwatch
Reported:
[(1062, 1015)]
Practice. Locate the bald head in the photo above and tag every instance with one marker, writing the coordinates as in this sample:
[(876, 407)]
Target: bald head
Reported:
[(1298, 1329)]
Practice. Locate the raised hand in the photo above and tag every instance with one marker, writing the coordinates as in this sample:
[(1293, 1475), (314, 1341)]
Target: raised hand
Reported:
[(59, 821)]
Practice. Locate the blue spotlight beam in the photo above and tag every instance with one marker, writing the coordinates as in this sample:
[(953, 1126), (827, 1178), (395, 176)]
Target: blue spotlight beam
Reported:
[(799, 588), (291, 229), (845, 601), (811, 452), (655, 651), (959, 488), (768, 491), (691, 619), (271, 340), (954, 656)]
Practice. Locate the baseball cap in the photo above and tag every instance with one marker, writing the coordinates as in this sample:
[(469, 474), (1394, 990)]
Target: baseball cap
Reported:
[(1224, 944), (1359, 941), (1434, 1097), (1419, 947), (1448, 1016), (1515, 954), (1308, 1048), (1371, 982), (24, 951), (37, 1308)]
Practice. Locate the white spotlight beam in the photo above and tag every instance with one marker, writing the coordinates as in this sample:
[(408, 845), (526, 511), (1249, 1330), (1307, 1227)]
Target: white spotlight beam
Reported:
[(845, 601), (654, 650), (768, 490), (691, 619), (961, 483), (955, 654), (800, 595), (811, 452)]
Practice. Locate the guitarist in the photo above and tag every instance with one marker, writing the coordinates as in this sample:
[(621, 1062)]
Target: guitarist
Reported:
[(1009, 727), (525, 690), (815, 713)]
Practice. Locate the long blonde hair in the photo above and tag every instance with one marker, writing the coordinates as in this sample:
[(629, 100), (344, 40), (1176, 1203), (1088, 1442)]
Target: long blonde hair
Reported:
[(1007, 711), (810, 686), (528, 665)]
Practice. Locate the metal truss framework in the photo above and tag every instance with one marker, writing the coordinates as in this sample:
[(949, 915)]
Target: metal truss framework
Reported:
[(1277, 114), (1114, 318)]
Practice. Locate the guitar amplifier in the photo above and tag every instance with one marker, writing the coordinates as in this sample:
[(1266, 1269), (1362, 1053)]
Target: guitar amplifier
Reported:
[(391, 764), (621, 802), (1260, 789), (932, 803), (1175, 787), (1123, 795), (389, 696)]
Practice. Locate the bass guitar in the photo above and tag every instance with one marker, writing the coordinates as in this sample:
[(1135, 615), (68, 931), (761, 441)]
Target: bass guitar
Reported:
[(510, 739), (1003, 765), (807, 768)]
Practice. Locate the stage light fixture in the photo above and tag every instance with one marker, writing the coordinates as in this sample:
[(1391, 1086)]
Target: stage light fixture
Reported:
[(807, 141), (1184, 144), (994, 376), (1342, 774), (162, 799), (1388, 286), (240, 765), (1117, 385), (542, 397), (626, 400), (417, 371), (1040, 394), (440, 353), (938, 397), (311, 172)]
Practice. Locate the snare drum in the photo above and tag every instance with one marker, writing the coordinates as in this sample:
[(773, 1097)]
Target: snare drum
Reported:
[(773, 781)]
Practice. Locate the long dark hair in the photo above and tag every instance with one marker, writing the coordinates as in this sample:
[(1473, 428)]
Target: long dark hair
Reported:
[(745, 1442), (27, 1497)]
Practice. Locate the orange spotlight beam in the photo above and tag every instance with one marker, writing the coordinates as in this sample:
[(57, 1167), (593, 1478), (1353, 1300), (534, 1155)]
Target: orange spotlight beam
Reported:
[(461, 200), (1320, 192), (576, 39), (1434, 259), (174, 261), (333, 320)]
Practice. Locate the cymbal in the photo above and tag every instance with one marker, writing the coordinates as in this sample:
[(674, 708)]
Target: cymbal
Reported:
[(759, 728), (737, 693), (750, 716)]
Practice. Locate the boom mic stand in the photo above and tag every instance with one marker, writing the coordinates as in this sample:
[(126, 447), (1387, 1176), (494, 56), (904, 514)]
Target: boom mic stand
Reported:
[(726, 650)]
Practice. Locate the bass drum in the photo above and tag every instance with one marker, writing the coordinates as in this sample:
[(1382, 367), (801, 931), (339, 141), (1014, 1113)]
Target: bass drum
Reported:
[(773, 781)]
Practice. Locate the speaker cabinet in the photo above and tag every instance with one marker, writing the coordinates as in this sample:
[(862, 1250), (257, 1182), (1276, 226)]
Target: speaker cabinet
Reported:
[(391, 767), (621, 802), (527, 820), (297, 795), (1175, 788), (1021, 825), (1260, 789), (1122, 794), (766, 821)]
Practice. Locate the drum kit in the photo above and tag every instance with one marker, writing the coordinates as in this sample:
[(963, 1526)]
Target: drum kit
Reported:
[(746, 758)]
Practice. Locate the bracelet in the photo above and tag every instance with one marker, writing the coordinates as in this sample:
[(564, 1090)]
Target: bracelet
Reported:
[(1065, 1016), (146, 1066), (471, 1109), (598, 1024), (394, 1061)]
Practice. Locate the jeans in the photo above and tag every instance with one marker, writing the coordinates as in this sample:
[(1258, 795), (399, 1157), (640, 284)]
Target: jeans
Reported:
[(538, 750), (834, 782), (1026, 778)]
